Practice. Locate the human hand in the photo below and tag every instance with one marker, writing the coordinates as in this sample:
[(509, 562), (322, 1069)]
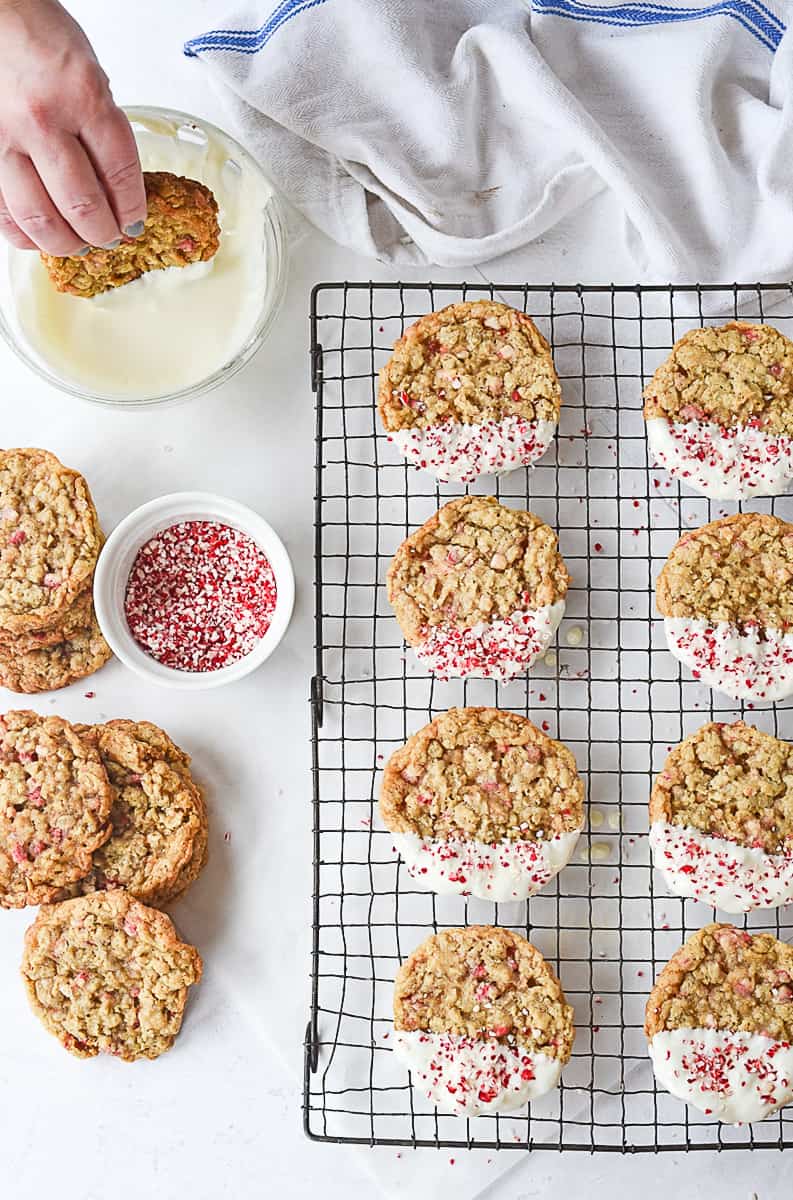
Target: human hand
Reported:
[(70, 175)]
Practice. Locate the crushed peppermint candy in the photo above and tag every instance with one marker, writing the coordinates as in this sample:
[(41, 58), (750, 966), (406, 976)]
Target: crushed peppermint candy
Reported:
[(200, 596), (499, 871), (730, 1074), (728, 463), (470, 1075), (497, 649), (721, 872), (747, 663), (461, 453)]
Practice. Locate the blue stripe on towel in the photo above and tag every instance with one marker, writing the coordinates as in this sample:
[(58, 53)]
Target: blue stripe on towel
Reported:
[(751, 14), (248, 41)]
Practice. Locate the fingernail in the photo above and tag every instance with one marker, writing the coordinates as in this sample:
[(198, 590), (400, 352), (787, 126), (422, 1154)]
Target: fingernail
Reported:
[(80, 253), (112, 245), (135, 230)]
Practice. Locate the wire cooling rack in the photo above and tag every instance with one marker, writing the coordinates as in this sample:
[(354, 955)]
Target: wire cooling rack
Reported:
[(610, 690)]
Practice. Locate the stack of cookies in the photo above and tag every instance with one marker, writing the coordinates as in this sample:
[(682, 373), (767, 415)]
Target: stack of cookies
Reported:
[(97, 823), (49, 543)]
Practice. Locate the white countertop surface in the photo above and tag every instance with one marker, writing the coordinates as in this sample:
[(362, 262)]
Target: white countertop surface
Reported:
[(219, 1116)]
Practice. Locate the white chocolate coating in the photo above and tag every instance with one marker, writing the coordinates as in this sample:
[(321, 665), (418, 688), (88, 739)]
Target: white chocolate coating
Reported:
[(719, 872), (499, 872), (459, 453), (468, 1076), (734, 1076), (170, 328), (722, 463), (491, 649), (748, 665)]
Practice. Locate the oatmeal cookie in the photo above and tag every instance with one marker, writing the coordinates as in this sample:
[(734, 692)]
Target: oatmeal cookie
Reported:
[(479, 589), (54, 666), (481, 1020), (480, 801), (470, 390), (159, 840), (720, 1023), (106, 974), (75, 619), (181, 228), (724, 593), (49, 540), (719, 411), (721, 818), (55, 800)]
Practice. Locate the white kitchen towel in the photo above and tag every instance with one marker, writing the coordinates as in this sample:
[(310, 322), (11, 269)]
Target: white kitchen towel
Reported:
[(453, 131)]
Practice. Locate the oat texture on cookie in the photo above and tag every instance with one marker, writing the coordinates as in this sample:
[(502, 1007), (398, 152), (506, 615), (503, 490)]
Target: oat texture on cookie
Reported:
[(475, 560), (485, 774), (732, 781), (106, 974), (55, 802), (736, 569), (159, 841), (484, 982), (734, 374), (181, 228), (49, 540), (471, 362), (725, 978), (75, 656), (470, 391)]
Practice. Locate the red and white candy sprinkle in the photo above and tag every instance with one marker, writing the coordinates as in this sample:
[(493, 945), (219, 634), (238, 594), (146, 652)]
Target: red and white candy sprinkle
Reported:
[(747, 664), (497, 649), (734, 1076), (499, 872), (461, 453), (467, 1075), (723, 463), (719, 872), (200, 596)]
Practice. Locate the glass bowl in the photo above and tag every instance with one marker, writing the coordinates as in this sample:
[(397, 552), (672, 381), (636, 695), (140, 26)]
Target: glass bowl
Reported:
[(195, 134)]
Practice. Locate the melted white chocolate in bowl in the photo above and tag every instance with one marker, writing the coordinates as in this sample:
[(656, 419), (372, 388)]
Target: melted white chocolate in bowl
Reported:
[(171, 329)]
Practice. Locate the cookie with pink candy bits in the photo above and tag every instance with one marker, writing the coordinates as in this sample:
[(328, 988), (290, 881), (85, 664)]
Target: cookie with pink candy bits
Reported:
[(719, 1023), (55, 803), (719, 411), (49, 540), (107, 975), (469, 391), (479, 589), (480, 802), (481, 1021), (726, 598), (721, 818)]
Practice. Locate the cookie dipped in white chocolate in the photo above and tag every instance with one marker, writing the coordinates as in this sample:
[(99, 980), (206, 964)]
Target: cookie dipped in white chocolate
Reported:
[(469, 1076), (719, 872), (726, 595), (500, 871), (490, 649), (721, 462), (481, 802), (719, 411), (470, 390), (481, 1020), (734, 1076), (461, 453), (479, 589), (747, 664)]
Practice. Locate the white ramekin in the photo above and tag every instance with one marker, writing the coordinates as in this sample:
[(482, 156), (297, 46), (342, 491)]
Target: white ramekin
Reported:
[(115, 564)]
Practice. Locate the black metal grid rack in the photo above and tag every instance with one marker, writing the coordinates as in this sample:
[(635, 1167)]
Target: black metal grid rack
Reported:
[(612, 692)]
